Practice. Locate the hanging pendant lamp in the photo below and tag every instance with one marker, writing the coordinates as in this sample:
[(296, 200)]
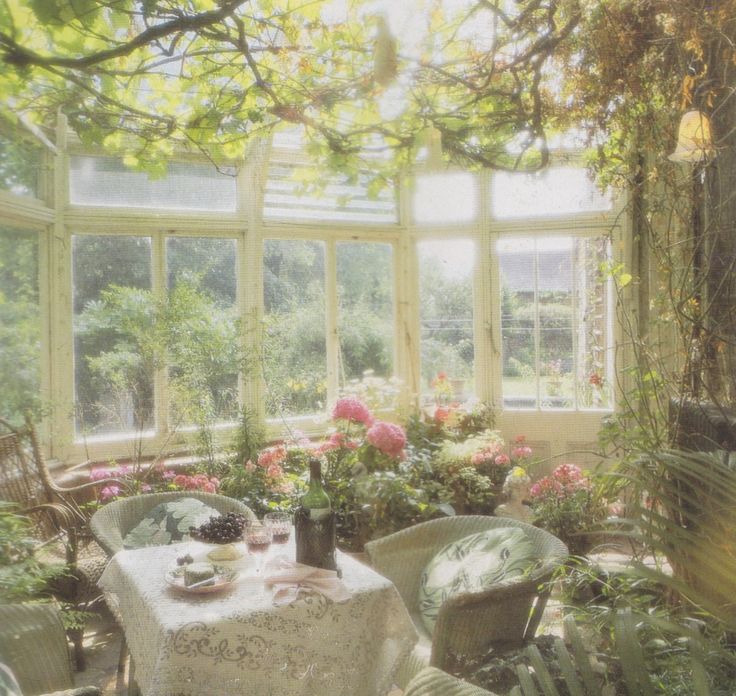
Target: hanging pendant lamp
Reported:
[(694, 139)]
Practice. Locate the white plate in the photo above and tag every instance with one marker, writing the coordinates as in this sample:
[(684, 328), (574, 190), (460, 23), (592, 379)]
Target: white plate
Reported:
[(224, 578)]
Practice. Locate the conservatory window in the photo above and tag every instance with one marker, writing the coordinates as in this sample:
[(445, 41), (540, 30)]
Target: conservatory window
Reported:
[(446, 270), (20, 322), (106, 181), (446, 198), (343, 199), (553, 191), (294, 343), (365, 309), (20, 167), (203, 340), (114, 357), (556, 322)]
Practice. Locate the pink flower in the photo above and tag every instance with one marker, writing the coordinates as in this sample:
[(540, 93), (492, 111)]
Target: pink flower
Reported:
[(168, 475), (502, 460), (477, 458), (146, 488), (274, 471), (109, 492), (351, 409), (388, 438), (99, 474), (521, 452), (181, 481), (209, 488), (250, 467), (285, 487), (272, 455)]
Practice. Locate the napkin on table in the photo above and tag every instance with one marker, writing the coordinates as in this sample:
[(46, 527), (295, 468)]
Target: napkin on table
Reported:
[(289, 579)]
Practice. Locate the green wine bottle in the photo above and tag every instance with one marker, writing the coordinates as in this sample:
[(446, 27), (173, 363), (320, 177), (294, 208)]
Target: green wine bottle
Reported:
[(316, 501), (314, 524)]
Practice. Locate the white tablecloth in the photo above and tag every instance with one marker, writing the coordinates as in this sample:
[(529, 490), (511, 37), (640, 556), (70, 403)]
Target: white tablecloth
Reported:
[(238, 642)]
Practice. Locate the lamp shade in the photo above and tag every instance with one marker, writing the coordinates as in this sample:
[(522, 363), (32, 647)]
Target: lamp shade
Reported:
[(694, 140)]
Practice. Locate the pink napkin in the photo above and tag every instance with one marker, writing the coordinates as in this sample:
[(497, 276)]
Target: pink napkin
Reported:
[(289, 579)]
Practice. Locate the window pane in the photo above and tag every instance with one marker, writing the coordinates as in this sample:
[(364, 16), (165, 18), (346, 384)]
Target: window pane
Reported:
[(114, 341), (518, 323), (20, 323), (342, 199), (295, 354), (365, 309), (446, 311), (555, 323), (107, 181), (204, 346), (20, 166), (442, 198), (553, 191)]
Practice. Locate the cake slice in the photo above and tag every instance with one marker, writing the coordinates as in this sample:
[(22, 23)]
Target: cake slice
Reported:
[(198, 573)]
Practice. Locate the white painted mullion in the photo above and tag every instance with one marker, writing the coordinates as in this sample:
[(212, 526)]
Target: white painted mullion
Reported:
[(61, 336), (486, 273), (251, 188), (162, 407), (577, 324), (331, 321), (537, 328)]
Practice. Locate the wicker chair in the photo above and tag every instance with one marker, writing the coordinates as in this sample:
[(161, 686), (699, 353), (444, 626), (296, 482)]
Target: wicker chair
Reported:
[(56, 515), (431, 681), (33, 645), (112, 522), (467, 624)]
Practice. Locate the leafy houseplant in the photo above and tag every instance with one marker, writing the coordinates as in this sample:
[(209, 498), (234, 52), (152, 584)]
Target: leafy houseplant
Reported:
[(566, 505)]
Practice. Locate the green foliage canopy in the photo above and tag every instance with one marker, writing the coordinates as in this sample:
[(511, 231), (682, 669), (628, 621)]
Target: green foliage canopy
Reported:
[(143, 76)]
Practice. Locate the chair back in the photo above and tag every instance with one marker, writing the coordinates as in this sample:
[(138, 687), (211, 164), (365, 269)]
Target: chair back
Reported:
[(33, 644), (113, 521), (22, 480)]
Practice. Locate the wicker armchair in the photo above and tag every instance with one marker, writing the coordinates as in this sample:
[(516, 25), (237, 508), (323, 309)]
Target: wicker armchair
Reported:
[(468, 624), (33, 645), (56, 515), (434, 682), (112, 522)]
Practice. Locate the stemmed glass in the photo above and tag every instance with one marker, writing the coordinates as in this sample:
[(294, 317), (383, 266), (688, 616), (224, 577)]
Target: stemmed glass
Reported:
[(280, 523), (258, 539)]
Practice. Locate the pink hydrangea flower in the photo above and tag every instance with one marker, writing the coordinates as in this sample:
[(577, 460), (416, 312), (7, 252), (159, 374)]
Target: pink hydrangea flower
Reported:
[(274, 471), (109, 492), (521, 452), (502, 460), (351, 409), (389, 438)]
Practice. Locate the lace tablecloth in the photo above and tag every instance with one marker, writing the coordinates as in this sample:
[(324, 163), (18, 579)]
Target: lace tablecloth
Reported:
[(239, 642)]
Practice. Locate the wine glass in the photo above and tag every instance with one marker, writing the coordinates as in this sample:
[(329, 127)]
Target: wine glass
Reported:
[(280, 523), (258, 540)]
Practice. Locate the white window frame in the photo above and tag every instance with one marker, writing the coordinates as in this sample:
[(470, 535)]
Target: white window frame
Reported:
[(57, 220)]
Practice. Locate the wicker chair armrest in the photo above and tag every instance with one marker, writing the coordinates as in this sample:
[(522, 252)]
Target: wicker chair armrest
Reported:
[(70, 490), (79, 691), (434, 682), (34, 645)]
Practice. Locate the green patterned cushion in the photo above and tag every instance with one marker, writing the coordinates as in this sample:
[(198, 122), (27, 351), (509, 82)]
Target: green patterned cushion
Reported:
[(471, 564), (168, 522)]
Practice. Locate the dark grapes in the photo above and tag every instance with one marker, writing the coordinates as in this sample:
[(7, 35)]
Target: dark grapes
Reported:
[(220, 530), (184, 560)]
